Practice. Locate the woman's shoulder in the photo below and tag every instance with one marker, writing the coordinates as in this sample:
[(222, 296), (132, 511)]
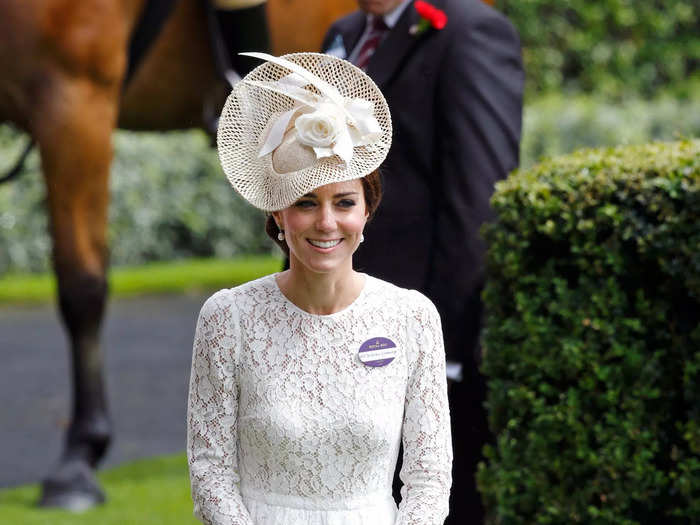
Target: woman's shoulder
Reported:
[(410, 299), (228, 298)]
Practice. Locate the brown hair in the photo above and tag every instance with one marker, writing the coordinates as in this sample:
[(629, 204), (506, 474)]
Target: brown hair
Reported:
[(372, 189)]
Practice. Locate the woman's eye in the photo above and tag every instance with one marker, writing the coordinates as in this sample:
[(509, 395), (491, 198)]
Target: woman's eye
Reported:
[(304, 204), (346, 203)]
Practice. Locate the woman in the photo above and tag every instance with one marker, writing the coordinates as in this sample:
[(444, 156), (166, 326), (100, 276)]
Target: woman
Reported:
[(304, 382)]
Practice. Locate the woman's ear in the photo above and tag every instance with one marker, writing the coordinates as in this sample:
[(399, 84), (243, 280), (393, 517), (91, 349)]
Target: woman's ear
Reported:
[(278, 220)]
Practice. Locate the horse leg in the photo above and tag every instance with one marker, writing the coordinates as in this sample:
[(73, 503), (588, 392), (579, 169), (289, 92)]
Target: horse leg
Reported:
[(75, 145)]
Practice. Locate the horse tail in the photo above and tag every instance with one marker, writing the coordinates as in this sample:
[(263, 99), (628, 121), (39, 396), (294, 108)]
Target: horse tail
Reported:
[(19, 165)]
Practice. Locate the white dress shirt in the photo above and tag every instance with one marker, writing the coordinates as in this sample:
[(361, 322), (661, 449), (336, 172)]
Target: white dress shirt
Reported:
[(390, 20)]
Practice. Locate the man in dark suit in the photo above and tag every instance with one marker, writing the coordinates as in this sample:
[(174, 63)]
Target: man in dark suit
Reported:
[(455, 96)]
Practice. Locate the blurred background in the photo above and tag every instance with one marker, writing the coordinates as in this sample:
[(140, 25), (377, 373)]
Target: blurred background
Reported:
[(599, 74)]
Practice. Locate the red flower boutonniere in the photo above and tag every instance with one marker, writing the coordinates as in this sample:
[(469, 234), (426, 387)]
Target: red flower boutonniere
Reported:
[(430, 16)]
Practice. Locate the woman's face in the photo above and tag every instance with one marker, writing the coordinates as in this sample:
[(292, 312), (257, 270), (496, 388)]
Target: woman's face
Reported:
[(323, 228)]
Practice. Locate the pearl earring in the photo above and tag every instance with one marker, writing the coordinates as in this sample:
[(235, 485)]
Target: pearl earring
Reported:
[(362, 237), (280, 235)]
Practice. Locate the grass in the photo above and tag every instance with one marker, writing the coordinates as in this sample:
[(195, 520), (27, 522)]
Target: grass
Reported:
[(192, 275), (147, 492)]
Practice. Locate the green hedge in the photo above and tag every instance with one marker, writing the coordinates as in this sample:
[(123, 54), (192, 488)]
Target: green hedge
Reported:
[(592, 341), (608, 46)]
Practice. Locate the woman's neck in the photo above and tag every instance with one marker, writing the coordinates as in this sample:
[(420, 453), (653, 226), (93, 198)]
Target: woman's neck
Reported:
[(320, 293)]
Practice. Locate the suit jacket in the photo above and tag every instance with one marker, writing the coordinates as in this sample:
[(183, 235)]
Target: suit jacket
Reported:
[(456, 103)]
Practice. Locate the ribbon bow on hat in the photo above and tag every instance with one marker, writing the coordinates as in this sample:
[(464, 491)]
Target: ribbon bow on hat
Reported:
[(329, 123)]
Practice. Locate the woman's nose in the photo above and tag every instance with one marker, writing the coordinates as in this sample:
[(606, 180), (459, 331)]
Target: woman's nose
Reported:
[(326, 219)]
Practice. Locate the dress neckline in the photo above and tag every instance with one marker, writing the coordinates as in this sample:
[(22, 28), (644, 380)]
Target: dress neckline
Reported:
[(303, 312)]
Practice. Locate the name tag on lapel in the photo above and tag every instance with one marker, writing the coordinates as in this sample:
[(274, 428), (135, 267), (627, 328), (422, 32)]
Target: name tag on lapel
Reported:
[(377, 352)]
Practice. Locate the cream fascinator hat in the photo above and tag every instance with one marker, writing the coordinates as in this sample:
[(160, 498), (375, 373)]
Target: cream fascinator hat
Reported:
[(298, 122)]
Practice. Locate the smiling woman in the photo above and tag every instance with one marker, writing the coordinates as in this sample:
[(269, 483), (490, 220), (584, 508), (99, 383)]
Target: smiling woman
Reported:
[(305, 382), (322, 230), (371, 191), (326, 222)]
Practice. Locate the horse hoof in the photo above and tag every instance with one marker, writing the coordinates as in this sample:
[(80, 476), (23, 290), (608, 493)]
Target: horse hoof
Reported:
[(72, 487)]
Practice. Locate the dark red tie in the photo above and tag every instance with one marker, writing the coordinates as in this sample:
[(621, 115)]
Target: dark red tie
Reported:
[(376, 33)]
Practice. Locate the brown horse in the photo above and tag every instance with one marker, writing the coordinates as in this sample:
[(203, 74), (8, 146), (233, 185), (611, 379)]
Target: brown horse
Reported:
[(63, 64)]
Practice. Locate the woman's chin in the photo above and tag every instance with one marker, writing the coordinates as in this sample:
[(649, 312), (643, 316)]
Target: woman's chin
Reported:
[(325, 263), (324, 266)]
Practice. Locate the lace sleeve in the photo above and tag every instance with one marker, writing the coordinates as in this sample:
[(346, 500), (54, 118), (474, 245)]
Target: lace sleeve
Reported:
[(427, 459), (211, 417)]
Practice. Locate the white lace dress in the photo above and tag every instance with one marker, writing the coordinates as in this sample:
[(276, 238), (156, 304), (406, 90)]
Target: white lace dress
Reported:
[(287, 426)]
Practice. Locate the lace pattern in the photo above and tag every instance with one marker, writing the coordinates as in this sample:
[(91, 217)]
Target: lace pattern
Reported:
[(286, 425)]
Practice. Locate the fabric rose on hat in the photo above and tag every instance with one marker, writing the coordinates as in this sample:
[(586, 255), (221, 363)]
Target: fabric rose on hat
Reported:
[(328, 122), (318, 129), (329, 130)]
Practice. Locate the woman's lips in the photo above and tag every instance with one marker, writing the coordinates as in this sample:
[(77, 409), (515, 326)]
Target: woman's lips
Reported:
[(324, 245)]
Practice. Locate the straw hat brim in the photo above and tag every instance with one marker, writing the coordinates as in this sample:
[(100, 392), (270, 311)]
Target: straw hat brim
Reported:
[(245, 120)]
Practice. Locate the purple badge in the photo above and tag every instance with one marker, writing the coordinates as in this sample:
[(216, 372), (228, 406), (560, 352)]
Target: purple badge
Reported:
[(378, 351)]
